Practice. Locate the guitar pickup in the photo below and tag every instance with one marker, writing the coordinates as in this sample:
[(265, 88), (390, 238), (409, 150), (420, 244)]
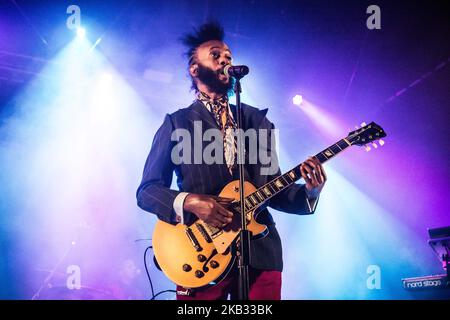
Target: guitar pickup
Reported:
[(193, 240), (203, 232), (213, 231), (215, 235)]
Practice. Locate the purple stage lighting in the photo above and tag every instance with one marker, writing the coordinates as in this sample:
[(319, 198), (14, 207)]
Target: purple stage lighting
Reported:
[(297, 100)]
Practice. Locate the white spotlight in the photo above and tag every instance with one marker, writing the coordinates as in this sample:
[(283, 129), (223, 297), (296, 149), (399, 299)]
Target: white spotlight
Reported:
[(105, 79), (297, 100), (81, 32)]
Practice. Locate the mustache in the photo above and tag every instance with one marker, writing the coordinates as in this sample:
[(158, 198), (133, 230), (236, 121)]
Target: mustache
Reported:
[(210, 77)]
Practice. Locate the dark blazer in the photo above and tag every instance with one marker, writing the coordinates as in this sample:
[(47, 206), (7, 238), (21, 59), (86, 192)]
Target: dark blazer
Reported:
[(154, 195)]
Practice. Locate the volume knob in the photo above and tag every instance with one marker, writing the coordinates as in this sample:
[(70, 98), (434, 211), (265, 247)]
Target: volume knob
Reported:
[(199, 274), (186, 267)]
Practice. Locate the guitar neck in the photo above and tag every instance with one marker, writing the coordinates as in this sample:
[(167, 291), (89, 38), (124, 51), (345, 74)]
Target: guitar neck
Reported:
[(283, 181)]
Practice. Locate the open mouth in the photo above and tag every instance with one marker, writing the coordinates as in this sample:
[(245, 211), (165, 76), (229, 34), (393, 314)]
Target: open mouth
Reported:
[(223, 77)]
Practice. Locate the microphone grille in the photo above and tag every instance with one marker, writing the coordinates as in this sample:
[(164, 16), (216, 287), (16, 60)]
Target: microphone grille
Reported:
[(244, 70), (225, 70)]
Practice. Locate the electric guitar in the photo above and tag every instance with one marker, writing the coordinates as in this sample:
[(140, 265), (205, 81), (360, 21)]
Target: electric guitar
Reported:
[(199, 255)]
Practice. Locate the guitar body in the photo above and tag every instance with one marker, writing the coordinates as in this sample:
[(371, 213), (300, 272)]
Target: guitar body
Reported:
[(199, 255)]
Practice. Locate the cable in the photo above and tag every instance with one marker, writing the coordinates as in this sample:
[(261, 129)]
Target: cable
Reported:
[(153, 298), (150, 279), (148, 273)]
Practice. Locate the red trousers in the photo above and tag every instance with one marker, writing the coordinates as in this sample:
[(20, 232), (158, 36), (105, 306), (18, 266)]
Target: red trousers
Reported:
[(264, 285)]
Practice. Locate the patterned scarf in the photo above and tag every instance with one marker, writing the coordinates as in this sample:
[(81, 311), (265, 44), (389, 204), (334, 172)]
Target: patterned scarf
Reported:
[(227, 125)]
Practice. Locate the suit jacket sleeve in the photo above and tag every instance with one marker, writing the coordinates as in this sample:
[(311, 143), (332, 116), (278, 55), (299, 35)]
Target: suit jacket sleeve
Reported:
[(154, 194), (293, 199)]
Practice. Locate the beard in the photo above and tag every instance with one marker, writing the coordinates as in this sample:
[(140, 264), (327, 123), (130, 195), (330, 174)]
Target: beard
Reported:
[(211, 79)]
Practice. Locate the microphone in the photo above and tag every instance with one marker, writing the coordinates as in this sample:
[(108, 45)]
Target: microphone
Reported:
[(235, 71)]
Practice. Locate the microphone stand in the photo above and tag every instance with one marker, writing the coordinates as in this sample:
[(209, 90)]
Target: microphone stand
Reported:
[(243, 249)]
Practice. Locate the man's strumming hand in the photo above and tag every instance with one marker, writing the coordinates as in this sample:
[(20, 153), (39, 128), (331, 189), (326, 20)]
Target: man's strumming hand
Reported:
[(210, 209)]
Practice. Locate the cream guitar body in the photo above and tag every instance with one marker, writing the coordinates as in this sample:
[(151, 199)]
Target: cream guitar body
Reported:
[(199, 255)]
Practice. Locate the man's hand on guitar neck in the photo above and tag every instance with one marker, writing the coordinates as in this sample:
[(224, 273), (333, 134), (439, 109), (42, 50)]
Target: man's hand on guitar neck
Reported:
[(209, 208), (314, 176)]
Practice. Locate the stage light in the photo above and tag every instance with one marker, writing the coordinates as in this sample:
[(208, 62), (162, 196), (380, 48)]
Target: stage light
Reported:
[(81, 32), (95, 44), (297, 100), (82, 101), (327, 123), (105, 78)]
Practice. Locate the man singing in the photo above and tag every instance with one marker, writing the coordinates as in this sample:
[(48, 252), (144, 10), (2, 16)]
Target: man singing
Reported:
[(199, 183)]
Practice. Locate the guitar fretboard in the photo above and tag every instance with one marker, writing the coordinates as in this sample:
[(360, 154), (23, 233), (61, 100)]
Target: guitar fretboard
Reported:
[(283, 181)]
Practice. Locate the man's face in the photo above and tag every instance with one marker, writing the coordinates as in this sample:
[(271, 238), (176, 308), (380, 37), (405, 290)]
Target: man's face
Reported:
[(211, 57)]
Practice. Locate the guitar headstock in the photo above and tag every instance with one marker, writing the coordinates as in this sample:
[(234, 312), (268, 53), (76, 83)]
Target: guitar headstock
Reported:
[(368, 133)]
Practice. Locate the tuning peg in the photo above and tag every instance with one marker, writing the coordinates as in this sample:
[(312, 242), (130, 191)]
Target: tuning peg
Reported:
[(363, 124), (374, 145), (368, 148), (356, 127), (381, 142)]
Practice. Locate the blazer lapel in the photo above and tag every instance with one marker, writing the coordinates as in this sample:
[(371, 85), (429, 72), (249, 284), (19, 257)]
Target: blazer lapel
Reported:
[(199, 112), (251, 117)]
